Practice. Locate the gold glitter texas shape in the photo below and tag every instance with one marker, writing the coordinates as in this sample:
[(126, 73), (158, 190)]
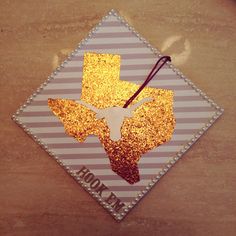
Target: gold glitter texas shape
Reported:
[(151, 125)]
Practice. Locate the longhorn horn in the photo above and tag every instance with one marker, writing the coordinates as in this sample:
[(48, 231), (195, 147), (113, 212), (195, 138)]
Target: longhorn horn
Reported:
[(91, 107), (136, 105)]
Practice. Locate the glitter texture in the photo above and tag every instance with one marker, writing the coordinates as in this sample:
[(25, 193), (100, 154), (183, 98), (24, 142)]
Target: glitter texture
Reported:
[(151, 125)]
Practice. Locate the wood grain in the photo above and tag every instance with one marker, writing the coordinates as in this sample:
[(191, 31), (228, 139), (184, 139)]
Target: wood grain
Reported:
[(197, 197)]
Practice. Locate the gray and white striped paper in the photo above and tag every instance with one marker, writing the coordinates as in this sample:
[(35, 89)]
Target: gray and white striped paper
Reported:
[(192, 112)]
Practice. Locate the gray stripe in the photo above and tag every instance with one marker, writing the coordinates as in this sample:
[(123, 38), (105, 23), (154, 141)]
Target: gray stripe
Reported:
[(186, 131), (60, 124), (78, 91), (98, 144), (127, 188), (94, 139), (123, 56), (117, 177), (176, 109), (102, 155), (111, 23), (154, 83), (113, 46), (108, 166)]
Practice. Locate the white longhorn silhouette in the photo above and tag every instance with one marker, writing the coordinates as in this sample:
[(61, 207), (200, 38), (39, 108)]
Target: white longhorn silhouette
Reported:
[(114, 116)]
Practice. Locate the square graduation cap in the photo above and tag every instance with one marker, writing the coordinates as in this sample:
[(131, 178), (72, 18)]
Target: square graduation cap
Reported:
[(193, 110)]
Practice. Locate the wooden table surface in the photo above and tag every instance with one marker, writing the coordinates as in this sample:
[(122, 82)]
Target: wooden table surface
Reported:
[(198, 195)]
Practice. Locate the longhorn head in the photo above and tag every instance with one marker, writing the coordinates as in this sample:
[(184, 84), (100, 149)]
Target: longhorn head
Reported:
[(114, 116)]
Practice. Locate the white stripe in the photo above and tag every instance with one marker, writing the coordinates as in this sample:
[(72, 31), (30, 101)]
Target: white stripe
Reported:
[(61, 129), (101, 150), (97, 161), (94, 150), (63, 86), (111, 18), (176, 104), (63, 75), (124, 61), (180, 126), (68, 140), (125, 193), (150, 160), (189, 126), (142, 182), (37, 109), (156, 83), (193, 114), (145, 72), (48, 130), (181, 137), (175, 137), (185, 93), (41, 97), (142, 72), (110, 172), (112, 29), (193, 104), (43, 119), (105, 161)]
